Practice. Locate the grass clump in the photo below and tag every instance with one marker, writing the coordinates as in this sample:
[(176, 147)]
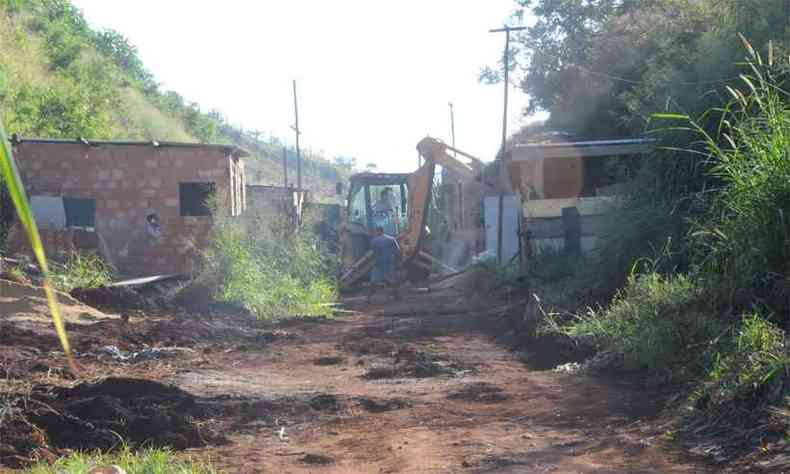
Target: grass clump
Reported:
[(81, 270), (148, 461), (653, 323), (261, 262), (749, 368)]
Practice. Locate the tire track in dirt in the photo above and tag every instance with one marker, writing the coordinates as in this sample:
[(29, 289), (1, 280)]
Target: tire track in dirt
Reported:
[(446, 399)]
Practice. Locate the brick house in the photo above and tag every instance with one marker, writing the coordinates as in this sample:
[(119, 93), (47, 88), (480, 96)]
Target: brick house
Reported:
[(145, 202)]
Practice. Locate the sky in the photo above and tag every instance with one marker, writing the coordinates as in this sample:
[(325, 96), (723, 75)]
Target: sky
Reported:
[(373, 76)]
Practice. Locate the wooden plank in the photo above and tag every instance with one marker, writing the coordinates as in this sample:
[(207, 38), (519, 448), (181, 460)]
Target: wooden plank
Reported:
[(573, 230), (435, 260), (543, 208), (582, 150), (358, 270), (557, 244), (551, 228)]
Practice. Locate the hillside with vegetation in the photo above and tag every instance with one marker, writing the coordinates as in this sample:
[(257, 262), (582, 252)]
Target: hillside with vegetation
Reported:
[(689, 287), (60, 78)]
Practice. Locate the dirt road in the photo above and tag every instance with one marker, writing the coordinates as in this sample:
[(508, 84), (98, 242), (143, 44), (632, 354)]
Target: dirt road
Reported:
[(416, 386), (400, 388)]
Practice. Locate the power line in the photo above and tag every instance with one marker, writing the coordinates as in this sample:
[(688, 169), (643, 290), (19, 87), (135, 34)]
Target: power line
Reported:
[(612, 77)]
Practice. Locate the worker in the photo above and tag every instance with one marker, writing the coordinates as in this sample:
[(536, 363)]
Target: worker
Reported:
[(386, 202), (384, 211), (386, 255)]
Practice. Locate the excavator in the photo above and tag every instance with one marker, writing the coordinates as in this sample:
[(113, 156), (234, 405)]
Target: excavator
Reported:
[(400, 204)]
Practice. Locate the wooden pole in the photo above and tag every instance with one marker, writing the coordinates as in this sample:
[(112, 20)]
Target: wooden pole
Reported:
[(503, 148), (285, 167), (506, 66), (500, 209), (452, 127), (298, 152)]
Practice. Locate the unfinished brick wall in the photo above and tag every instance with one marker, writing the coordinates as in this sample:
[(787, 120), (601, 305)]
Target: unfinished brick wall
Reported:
[(131, 181)]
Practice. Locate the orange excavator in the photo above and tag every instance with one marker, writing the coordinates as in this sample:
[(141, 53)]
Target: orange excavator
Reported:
[(400, 204)]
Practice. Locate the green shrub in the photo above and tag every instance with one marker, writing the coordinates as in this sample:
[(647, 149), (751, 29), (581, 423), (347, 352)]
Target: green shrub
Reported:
[(81, 270), (273, 271), (752, 365), (148, 461), (654, 322)]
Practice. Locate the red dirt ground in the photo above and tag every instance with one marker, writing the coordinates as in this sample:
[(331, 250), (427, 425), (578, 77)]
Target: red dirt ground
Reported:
[(415, 386)]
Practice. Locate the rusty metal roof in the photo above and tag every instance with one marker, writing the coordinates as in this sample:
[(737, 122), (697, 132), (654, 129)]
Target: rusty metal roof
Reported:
[(233, 150), (632, 146)]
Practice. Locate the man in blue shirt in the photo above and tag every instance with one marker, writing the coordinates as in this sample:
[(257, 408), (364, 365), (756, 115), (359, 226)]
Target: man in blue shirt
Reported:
[(386, 253)]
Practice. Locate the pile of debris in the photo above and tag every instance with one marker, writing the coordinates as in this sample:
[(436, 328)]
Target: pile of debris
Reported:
[(136, 294)]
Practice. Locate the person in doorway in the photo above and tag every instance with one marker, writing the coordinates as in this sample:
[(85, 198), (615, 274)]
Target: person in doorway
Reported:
[(386, 255), (152, 226)]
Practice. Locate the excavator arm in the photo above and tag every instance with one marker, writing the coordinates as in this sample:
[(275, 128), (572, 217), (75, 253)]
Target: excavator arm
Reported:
[(434, 152)]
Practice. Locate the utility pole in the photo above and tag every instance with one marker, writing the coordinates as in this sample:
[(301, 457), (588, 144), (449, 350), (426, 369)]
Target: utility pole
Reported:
[(298, 153), (459, 187), (452, 126), (285, 166), (502, 173), (506, 64)]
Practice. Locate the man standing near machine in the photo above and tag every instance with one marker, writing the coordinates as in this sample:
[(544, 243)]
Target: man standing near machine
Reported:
[(386, 256)]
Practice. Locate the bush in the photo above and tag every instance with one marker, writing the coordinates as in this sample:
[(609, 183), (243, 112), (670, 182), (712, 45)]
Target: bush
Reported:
[(654, 322), (81, 270), (751, 366), (273, 271)]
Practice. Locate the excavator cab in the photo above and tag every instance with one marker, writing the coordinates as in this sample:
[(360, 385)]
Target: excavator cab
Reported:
[(374, 200)]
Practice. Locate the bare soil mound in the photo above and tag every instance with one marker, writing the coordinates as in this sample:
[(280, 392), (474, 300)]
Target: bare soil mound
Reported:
[(26, 305), (101, 415)]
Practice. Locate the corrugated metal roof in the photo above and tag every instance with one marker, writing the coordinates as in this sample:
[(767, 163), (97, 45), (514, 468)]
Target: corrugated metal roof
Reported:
[(582, 149), (229, 149), (629, 141)]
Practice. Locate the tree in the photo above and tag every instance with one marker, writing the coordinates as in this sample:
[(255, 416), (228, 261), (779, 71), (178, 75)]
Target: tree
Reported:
[(117, 47), (602, 67)]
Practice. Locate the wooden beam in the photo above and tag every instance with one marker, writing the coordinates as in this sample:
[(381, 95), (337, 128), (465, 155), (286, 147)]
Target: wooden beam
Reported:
[(581, 149), (587, 206)]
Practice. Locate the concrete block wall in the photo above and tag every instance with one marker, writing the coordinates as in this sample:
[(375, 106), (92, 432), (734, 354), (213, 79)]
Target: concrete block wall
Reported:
[(131, 181)]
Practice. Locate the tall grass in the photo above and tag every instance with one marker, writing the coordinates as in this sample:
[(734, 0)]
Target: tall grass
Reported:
[(261, 262), (11, 179), (744, 242), (715, 317)]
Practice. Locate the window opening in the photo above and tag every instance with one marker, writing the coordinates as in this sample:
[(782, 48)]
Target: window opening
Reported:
[(80, 212), (194, 198)]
